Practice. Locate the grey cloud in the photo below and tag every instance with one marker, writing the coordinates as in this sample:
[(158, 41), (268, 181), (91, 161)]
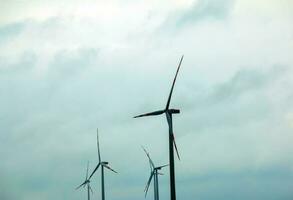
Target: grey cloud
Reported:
[(210, 9), (70, 62), (244, 81), (200, 11), (9, 31), (231, 102), (24, 64)]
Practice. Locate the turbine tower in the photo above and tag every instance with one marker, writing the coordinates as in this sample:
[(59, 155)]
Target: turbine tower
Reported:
[(169, 112), (87, 183), (154, 175), (103, 164)]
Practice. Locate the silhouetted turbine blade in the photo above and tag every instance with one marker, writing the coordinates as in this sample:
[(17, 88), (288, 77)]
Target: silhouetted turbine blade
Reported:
[(87, 170), (159, 112), (148, 183), (169, 120), (108, 167), (162, 166), (170, 95), (98, 146), (151, 167), (91, 189), (94, 171), (175, 147), (80, 185), (150, 160)]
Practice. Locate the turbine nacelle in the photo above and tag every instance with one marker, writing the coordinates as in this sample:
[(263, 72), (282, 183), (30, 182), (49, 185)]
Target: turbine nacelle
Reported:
[(174, 111), (104, 163), (160, 167)]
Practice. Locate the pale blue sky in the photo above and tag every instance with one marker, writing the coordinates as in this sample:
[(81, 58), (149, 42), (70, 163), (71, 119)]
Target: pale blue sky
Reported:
[(69, 67)]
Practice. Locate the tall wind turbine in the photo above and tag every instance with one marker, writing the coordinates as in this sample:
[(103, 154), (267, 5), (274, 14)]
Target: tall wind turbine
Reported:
[(154, 175), (103, 164), (87, 183), (169, 112)]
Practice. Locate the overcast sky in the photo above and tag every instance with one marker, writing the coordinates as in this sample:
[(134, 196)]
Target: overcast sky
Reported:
[(69, 67)]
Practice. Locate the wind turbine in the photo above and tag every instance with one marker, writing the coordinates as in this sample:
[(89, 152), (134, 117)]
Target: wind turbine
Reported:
[(103, 164), (87, 183), (169, 112), (154, 174)]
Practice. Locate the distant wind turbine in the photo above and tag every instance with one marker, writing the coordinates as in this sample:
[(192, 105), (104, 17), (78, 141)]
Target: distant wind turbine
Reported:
[(87, 183), (154, 175), (169, 112), (102, 164)]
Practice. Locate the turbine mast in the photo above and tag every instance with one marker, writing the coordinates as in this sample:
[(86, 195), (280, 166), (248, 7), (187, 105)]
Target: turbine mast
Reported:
[(88, 192), (103, 186), (155, 185), (172, 167)]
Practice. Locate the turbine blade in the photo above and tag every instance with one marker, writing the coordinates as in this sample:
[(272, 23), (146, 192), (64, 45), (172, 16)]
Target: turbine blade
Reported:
[(80, 185), (148, 183), (150, 164), (98, 146), (159, 112), (169, 120), (91, 189), (163, 166), (87, 170), (150, 160), (170, 95), (108, 167), (94, 171), (175, 146)]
